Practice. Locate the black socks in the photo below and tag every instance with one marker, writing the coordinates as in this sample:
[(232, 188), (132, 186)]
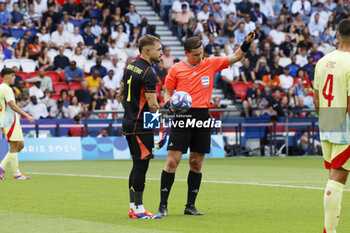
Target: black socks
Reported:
[(167, 181), (193, 182)]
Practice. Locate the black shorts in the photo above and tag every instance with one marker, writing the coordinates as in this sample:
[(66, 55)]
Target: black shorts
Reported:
[(198, 139), (141, 145)]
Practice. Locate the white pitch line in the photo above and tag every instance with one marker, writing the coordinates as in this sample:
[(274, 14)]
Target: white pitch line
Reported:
[(185, 180)]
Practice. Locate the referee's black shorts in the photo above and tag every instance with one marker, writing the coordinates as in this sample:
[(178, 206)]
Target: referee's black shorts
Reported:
[(141, 146), (198, 139)]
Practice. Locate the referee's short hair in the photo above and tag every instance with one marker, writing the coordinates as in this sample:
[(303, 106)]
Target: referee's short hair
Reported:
[(344, 27), (192, 43), (147, 40), (7, 71)]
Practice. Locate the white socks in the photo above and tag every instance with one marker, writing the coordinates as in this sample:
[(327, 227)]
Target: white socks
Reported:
[(11, 158), (332, 205), (139, 209)]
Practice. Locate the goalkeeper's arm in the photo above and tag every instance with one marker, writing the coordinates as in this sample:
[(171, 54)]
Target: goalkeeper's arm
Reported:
[(120, 95), (152, 102), (154, 106)]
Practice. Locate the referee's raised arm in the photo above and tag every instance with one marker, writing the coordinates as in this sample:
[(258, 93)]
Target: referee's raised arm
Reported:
[(240, 53)]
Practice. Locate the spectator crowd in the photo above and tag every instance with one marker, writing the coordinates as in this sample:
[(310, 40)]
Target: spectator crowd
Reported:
[(291, 36), (63, 36)]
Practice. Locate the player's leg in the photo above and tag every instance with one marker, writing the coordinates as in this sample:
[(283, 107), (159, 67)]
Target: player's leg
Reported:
[(14, 136), (138, 183), (12, 157), (131, 189), (193, 182), (131, 193), (167, 180), (336, 159), (333, 198), (200, 144), (177, 145), (142, 153)]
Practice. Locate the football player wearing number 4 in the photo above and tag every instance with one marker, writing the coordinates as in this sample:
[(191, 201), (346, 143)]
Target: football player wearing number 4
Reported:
[(10, 125), (138, 95), (195, 76), (332, 99)]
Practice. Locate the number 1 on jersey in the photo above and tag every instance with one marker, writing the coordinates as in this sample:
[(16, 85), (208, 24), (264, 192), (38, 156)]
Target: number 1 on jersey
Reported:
[(129, 88), (328, 96)]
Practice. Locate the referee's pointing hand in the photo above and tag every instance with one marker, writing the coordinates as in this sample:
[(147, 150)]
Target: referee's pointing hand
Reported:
[(250, 37)]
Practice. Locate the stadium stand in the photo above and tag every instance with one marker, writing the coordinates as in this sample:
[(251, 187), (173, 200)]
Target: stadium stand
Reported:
[(291, 38)]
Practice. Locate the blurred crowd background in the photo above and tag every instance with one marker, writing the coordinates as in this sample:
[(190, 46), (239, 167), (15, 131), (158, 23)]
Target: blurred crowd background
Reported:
[(70, 55)]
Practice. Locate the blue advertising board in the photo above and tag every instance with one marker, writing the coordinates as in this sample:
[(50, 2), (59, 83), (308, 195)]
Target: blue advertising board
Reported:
[(76, 148), (45, 149), (105, 148)]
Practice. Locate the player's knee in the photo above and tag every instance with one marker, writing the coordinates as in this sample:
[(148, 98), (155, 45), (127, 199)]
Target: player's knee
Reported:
[(20, 146), (171, 165), (195, 165), (13, 147), (245, 104), (141, 166)]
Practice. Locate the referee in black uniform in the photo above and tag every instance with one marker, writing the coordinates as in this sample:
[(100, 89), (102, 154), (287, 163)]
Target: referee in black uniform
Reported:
[(138, 95)]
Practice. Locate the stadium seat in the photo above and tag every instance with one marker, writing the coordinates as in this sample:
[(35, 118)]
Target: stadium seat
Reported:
[(106, 63), (54, 76), (75, 86), (68, 53), (284, 61), (52, 54), (17, 33), (88, 65), (240, 89), (4, 30), (95, 13), (261, 86), (33, 74), (12, 40), (33, 32), (60, 86), (28, 65), (23, 75), (10, 63), (78, 23), (75, 22), (55, 96), (62, 76)]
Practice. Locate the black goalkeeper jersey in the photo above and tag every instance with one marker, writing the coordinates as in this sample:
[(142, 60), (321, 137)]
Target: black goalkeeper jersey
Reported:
[(138, 79)]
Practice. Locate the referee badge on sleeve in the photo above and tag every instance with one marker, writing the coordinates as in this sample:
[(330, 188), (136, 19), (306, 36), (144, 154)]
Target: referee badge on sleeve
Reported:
[(205, 81)]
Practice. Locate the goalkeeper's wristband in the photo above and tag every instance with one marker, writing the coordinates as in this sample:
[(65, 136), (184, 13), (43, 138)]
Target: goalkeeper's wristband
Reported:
[(245, 46)]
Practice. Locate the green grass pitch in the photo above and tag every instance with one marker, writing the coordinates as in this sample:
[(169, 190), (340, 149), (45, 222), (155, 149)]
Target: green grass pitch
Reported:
[(240, 195)]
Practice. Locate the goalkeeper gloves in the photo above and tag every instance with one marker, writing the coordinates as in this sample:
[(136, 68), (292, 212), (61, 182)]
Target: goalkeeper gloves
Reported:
[(163, 133)]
